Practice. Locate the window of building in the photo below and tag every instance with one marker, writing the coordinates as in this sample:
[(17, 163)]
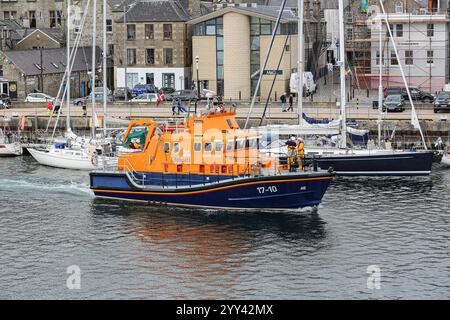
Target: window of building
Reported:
[(109, 25), (150, 56), (219, 65), (1, 70), (110, 50), (377, 58), (394, 61), (430, 56), (168, 56), (150, 78), (254, 61), (167, 29), (131, 32), (131, 56), (391, 27), (399, 30), (430, 30), (210, 27), (168, 80), (149, 32), (409, 57), (32, 18), (399, 7), (132, 79), (55, 18)]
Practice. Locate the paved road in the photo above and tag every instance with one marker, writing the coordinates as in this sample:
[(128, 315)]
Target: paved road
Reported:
[(319, 110)]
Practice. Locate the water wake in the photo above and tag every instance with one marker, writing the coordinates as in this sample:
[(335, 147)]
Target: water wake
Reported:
[(71, 188)]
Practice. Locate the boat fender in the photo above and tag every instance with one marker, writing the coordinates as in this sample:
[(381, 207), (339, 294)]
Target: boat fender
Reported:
[(94, 159)]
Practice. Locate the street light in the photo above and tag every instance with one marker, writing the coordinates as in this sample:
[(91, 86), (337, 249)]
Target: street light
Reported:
[(198, 83), (41, 80)]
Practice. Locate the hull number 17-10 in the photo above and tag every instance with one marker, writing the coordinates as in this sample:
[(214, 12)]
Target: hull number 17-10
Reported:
[(269, 189)]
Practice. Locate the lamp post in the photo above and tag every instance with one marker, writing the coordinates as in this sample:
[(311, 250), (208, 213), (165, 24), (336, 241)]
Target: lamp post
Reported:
[(198, 83), (41, 80)]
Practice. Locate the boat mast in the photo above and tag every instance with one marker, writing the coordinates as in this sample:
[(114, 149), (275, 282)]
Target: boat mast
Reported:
[(380, 86), (300, 13), (414, 118), (104, 68), (69, 4), (94, 27), (342, 72)]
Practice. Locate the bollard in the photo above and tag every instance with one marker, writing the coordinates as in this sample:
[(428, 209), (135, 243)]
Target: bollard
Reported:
[(240, 95), (368, 94), (276, 96)]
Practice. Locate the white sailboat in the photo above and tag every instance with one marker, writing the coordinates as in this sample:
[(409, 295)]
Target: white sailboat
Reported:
[(79, 153), (344, 160)]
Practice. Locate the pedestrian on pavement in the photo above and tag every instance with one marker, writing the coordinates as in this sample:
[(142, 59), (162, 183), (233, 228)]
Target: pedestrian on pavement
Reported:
[(291, 102), (283, 102), (174, 106)]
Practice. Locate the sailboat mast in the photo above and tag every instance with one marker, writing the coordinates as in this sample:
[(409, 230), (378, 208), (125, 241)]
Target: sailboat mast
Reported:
[(69, 4), (94, 27), (380, 86), (300, 6), (342, 72), (104, 68)]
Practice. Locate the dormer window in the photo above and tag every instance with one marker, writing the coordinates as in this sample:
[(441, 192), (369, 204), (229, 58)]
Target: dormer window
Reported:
[(399, 7)]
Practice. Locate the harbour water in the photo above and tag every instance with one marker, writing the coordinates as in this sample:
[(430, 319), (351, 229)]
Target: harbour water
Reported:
[(49, 220)]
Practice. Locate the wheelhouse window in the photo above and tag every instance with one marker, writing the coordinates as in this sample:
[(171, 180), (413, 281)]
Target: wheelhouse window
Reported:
[(167, 147), (197, 146), (208, 146), (253, 143), (176, 147), (240, 144), (230, 145), (219, 146)]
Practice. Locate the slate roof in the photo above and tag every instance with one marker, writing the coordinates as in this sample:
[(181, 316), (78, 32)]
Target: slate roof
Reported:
[(54, 60), (156, 11), (54, 33)]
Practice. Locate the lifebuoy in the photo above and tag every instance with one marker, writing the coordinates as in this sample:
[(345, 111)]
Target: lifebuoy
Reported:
[(94, 159)]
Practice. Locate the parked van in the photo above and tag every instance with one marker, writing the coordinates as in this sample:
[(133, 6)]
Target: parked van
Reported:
[(309, 86), (447, 87)]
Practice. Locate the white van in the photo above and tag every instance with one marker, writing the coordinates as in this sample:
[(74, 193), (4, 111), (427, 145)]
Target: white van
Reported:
[(308, 83), (447, 87)]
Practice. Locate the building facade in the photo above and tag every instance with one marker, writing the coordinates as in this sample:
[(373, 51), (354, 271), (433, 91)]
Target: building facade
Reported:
[(422, 43), (231, 44), (153, 48)]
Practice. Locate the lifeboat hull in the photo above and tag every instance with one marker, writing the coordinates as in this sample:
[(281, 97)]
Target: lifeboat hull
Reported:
[(290, 191)]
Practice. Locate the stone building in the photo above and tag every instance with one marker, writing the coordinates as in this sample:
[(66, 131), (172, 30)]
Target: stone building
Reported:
[(152, 45), (22, 72)]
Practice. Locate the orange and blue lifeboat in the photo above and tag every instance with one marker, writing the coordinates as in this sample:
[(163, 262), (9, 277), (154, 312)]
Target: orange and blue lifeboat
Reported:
[(205, 162)]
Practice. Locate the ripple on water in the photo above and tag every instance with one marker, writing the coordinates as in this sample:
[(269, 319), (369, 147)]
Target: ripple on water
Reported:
[(49, 221)]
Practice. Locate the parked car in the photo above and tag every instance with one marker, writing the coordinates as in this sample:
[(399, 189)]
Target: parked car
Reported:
[(86, 100), (442, 101), (143, 88), (122, 92), (38, 97), (416, 94), (100, 89), (167, 90), (183, 95), (394, 103), (146, 97)]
